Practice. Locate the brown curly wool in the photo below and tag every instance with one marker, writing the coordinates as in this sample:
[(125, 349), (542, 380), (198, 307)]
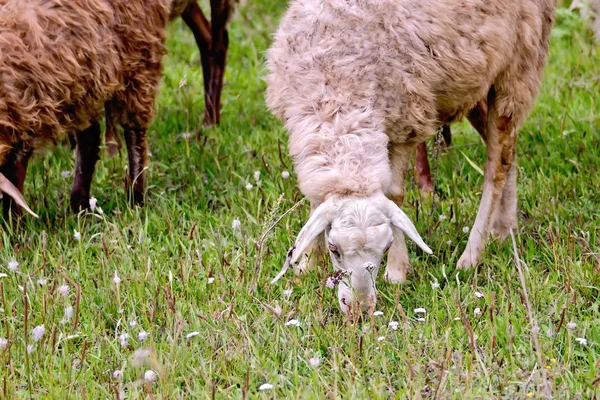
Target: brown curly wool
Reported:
[(62, 60)]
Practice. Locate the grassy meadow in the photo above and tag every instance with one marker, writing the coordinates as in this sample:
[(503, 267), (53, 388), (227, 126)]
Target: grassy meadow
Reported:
[(179, 289)]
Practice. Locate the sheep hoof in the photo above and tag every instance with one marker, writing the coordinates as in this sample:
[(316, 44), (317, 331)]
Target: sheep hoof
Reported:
[(469, 258), (395, 276)]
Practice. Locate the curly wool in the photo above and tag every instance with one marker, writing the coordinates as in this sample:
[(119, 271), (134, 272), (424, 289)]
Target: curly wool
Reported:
[(63, 59), (350, 78)]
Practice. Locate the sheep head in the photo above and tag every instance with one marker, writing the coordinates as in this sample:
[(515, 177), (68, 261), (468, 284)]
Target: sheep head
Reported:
[(359, 230)]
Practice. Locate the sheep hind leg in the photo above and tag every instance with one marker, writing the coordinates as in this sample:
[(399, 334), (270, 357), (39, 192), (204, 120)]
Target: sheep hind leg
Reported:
[(500, 136), (15, 169), (87, 154), (398, 265), (200, 27), (506, 218), (424, 181), (220, 12), (137, 152)]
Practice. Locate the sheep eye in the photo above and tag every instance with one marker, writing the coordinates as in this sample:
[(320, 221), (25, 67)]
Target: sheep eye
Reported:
[(333, 248)]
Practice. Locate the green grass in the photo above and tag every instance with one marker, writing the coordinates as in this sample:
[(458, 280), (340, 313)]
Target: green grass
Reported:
[(165, 253)]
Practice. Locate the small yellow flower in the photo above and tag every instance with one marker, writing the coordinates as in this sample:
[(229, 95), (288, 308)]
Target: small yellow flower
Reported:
[(553, 360), (547, 367), (530, 394)]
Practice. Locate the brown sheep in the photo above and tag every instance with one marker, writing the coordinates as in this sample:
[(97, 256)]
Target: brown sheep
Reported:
[(62, 62)]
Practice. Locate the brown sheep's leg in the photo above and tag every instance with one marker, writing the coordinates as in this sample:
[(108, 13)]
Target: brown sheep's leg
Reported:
[(111, 136), (15, 169), (397, 262), (220, 10), (422, 168), (137, 152), (197, 22), (87, 150), (500, 176)]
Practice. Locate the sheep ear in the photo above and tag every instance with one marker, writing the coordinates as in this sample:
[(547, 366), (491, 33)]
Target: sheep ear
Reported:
[(7, 187), (402, 222), (316, 224)]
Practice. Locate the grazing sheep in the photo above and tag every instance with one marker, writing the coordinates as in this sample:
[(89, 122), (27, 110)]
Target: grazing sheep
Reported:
[(359, 83), (63, 62)]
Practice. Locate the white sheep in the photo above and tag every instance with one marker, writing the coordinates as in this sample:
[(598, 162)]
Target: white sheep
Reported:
[(359, 83)]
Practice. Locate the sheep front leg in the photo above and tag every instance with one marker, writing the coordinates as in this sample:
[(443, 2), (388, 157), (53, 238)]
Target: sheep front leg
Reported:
[(397, 262), (137, 152), (87, 154), (15, 169), (500, 135)]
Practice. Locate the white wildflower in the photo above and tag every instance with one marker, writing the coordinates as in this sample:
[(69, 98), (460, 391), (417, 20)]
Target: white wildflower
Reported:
[(132, 323), (149, 376), (457, 318), (292, 322), (378, 314), (249, 186), (420, 310), (3, 343), (118, 374), (42, 281), (381, 338), (64, 290), (466, 229), (449, 242), (30, 348), (210, 280), (581, 340), (443, 217), (435, 285), (550, 332), (421, 319), (116, 278), (124, 339), (65, 174), (38, 333), (535, 329), (285, 174), (265, 386), (77, 235), (478, 295), (257, 176), (314, 361), (571, 325), (236, 224), (330, 283), (192, 334), (13, 265), (142, 336), (393, 325), (93, 203), (477, 311), (287, 293)]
